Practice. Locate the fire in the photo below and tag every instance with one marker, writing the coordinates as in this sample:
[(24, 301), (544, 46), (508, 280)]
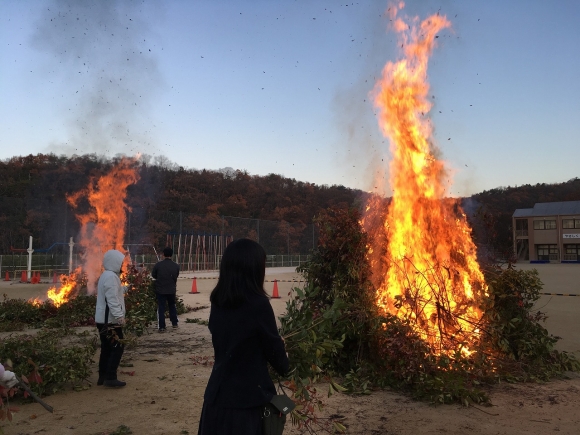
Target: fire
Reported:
[(66, 290), (36, 302), (103, 225), (427, 273), (102, 228)]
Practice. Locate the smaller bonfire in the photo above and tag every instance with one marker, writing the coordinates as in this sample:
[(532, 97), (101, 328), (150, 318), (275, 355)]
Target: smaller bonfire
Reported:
[(103, 222)]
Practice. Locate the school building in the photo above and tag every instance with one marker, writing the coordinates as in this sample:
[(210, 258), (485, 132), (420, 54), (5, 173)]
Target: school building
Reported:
[(548, 233)]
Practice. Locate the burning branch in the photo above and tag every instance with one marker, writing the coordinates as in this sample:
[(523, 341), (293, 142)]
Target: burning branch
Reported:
[(429, 273)]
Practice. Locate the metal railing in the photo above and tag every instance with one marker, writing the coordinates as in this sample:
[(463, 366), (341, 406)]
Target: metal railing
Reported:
[(286, 260), (570, 257)]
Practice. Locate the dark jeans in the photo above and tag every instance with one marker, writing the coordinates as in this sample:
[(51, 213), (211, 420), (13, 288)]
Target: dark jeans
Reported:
[(170, 299), (111, 350)]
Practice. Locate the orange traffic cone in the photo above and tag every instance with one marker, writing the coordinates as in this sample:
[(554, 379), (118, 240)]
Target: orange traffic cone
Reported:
[(23, 277), (275, 294), (37, 277), (194, 287), (7, 278), (33, 278), (54, 279)]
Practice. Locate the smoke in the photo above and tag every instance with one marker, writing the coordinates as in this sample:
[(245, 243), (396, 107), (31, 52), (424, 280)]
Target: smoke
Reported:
[(104, 54), (367, 154), (470, 206)]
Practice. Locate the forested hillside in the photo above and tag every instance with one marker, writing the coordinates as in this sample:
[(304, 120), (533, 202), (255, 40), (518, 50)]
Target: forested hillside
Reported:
[(166, 198), (491, 211), (170, 198)]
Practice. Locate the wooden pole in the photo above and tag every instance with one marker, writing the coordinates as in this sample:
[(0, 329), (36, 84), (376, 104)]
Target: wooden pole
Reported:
[(33, 395)]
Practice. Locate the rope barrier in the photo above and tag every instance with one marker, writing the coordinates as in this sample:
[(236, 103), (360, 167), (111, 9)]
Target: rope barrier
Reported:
[(266, 280), (558, 294)]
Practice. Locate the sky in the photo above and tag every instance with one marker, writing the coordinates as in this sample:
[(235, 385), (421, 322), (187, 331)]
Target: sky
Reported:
[(286, 86)]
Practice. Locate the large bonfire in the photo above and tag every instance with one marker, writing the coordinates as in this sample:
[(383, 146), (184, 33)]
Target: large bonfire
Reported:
[(102, 226), (427, 273)]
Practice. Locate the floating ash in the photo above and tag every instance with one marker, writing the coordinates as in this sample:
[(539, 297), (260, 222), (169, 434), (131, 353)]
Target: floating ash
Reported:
[(427, 272)]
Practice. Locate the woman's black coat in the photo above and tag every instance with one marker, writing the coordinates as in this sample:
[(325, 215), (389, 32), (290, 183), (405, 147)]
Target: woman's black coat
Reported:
[(244, 340)]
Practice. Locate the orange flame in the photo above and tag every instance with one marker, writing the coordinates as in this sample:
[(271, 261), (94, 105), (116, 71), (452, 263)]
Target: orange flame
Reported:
[(428, 273), (103, 226), (67, 288), (36, 302)]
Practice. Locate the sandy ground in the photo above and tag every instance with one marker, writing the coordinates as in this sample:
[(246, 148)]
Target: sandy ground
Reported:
[(165, 385)]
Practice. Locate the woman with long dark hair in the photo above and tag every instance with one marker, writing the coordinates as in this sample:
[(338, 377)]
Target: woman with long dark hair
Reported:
[(245, 339)]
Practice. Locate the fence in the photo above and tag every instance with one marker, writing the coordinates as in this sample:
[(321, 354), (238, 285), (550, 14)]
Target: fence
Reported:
[(277, 237), (198, 251), (49, 222), (204, 252), (286, 244), (286, 260), (48, 264), (45, 264)]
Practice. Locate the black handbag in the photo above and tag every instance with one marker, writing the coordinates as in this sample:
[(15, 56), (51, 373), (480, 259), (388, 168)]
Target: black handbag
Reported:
[(274, 413)]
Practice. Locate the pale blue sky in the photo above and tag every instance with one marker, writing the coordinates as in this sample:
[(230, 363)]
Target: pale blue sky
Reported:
[(283, 86)]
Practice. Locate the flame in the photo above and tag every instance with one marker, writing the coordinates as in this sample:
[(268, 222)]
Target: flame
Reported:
[(422, 255), (103, 226), (36, 302), (66, 290)]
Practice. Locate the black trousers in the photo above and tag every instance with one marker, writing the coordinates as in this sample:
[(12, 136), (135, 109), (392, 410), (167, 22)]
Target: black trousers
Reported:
[(111, 350), (161, 300)]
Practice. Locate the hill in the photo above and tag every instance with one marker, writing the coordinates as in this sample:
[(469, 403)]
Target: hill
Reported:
[(167, 198), (490, 211), (170, 198)]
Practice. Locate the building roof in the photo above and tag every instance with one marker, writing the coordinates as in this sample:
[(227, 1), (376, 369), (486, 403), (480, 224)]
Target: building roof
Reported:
[(550, 209)]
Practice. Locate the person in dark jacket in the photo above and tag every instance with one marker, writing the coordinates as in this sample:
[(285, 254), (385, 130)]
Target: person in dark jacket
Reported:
[(245, 339), (165, 273)]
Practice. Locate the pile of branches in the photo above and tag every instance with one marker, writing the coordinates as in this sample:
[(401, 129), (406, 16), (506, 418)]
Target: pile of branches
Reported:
[(140, 304), (58, 355), (334, 331)]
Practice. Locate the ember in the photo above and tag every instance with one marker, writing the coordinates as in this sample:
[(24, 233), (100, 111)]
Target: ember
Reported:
[(427, 273)]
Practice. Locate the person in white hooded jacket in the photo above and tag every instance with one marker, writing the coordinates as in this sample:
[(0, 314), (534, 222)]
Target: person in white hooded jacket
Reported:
[(7, 378), (110, 318)]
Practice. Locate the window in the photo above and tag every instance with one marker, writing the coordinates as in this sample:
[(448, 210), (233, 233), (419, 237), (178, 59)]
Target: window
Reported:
[(571, 252), (571, 223), (547, 252), (521, 227), (521, 224), (545, 225)]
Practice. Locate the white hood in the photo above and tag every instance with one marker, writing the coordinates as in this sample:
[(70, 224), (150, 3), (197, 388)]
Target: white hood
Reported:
[(113, 260)]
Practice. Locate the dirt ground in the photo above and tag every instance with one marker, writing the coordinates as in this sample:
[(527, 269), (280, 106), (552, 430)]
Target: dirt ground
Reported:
[(165, 386)]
